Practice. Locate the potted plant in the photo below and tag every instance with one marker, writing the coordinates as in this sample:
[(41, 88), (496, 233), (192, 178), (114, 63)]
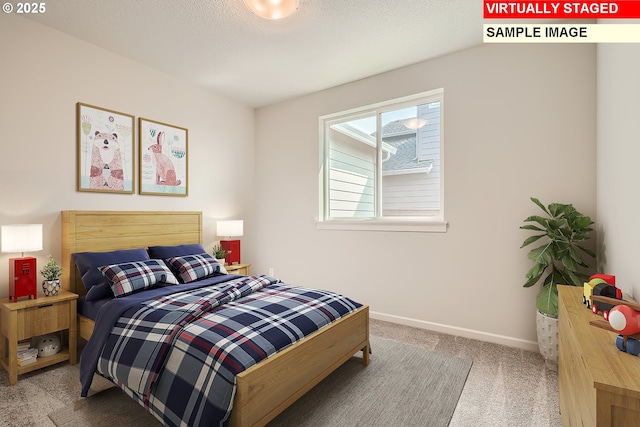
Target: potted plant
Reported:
[(561, 256), (51, 273), (219, 254)]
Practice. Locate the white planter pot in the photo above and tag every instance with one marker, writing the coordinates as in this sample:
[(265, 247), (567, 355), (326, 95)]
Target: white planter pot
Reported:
[(221, 261), (547, 328)]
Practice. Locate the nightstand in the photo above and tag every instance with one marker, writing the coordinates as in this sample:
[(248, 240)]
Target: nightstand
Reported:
[(29, 318), (238, 269)]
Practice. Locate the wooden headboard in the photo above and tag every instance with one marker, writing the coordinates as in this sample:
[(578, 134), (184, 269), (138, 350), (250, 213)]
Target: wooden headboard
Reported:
[(99, 231)]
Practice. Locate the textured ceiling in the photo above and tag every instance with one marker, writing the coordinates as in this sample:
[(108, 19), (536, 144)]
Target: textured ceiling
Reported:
[(221, 45)]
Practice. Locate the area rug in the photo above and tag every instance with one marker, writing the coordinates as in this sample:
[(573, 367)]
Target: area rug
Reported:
[(403, 385)]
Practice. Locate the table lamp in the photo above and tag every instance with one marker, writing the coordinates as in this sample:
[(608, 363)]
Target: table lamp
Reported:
[(228, 229), (22, 271)]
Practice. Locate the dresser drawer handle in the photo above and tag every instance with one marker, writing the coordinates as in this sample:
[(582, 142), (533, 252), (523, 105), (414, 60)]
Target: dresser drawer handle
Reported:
[(45, 306)]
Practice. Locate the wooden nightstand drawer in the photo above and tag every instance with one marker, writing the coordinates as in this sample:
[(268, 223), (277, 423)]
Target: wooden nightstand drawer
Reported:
[(238, 269), (42, 320)]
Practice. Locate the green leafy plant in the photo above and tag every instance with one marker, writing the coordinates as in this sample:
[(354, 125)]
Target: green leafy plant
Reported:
[(561, 253), (51, 270), (218, 252)]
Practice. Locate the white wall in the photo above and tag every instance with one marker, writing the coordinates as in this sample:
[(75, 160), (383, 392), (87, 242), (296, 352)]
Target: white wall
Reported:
[(44, 73), (618, 168), (519, 122)]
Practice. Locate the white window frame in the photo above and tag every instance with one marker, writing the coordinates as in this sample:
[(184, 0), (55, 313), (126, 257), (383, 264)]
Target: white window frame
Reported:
[(379, 223)]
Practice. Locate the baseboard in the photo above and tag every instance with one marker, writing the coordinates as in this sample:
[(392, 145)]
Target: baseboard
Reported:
[(461, 332)]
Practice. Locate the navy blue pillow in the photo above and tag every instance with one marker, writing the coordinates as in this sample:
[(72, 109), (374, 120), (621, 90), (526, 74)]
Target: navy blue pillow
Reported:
[(164, 252), (98, 286)]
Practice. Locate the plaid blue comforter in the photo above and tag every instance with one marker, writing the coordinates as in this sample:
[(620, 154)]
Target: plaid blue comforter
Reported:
[(178, 355)]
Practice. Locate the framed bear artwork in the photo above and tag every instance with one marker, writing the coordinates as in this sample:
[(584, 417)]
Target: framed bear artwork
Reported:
[(105, 149), (163, 158)]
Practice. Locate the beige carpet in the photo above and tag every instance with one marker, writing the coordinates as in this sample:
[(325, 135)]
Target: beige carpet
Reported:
[(403, 385), (109, 408)]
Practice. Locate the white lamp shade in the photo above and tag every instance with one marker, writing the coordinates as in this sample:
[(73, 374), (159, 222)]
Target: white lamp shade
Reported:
[(230, 228), (272, 9), (21, 238)]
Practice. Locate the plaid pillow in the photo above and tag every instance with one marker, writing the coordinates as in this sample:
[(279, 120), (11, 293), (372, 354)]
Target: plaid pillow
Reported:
[(193, 267), (126, 278)]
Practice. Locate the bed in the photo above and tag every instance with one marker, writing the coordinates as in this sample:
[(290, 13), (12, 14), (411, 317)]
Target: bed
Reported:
[(263, 390)]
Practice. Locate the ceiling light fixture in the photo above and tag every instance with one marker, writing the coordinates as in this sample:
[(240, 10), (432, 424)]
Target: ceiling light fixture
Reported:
[(272, 9), (414, 123)]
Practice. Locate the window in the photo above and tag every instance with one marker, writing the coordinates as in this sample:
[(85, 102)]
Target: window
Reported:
[(382, 166)]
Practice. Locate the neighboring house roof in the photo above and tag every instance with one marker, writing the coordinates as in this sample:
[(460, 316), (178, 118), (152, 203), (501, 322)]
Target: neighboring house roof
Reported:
[(403, 139), (398, 144), (396, 128), (355, 133)]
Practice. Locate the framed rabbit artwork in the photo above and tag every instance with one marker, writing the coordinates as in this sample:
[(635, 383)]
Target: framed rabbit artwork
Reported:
[(105, 153), (163, 158)]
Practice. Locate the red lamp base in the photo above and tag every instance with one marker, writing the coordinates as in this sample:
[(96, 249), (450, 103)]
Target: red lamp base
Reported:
[(22, 278), (232, 251)]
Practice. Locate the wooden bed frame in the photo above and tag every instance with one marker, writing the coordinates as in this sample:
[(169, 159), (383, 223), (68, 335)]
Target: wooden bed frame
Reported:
[(264, 390)]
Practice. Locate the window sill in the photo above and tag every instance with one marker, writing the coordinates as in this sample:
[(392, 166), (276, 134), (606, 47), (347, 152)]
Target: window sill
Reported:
[(419, 226)]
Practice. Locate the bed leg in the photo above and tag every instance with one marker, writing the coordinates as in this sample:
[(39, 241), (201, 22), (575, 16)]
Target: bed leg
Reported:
[(365, 355)]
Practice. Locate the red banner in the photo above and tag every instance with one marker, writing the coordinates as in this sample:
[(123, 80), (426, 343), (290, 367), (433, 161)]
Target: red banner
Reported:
[(518, 9)]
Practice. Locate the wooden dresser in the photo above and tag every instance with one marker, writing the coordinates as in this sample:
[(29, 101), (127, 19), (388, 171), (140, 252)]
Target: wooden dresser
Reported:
[(598, 384)]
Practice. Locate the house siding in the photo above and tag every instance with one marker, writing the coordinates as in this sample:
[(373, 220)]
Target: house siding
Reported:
[(417, 193)]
